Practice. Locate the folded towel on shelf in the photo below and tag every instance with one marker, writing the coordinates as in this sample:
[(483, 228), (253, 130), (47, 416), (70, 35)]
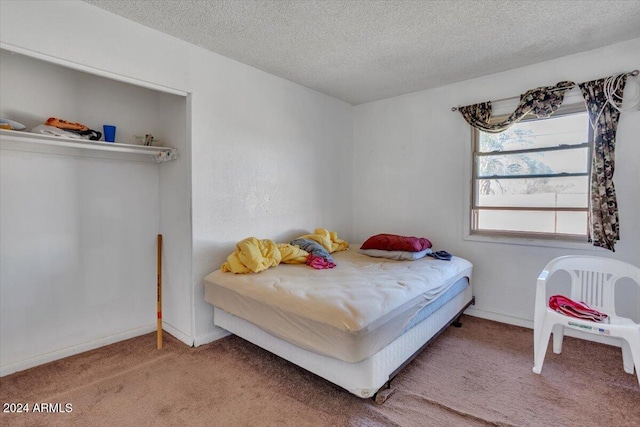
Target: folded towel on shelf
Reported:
[(76, 128), (54, 131), (66, 125)]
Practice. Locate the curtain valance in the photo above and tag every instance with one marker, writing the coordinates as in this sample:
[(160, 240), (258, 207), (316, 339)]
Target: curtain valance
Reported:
[(542, 101)]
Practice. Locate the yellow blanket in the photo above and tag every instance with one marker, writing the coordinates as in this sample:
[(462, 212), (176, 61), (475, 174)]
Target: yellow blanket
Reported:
[(329, 240), (253, 255)]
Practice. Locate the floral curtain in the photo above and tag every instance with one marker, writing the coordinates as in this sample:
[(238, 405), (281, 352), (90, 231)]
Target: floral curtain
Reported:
[(605, 228), (542, 102)]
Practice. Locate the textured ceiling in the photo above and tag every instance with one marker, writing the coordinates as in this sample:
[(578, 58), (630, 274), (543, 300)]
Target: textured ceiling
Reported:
[(361, 51)]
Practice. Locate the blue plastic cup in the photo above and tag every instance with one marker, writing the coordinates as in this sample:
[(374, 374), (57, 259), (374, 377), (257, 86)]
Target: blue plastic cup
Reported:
[(109, 133)]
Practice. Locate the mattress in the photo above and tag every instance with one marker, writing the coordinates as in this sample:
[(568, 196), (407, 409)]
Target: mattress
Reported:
[(349, 312)]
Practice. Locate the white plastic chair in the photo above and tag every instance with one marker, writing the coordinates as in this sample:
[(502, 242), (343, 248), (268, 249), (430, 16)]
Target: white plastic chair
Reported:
[(593, 281)]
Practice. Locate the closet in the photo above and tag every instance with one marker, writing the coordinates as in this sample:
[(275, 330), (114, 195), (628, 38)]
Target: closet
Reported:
[(79, 219)]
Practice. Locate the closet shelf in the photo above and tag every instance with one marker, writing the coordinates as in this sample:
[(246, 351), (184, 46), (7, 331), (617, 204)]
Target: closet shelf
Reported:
[(26, 141)]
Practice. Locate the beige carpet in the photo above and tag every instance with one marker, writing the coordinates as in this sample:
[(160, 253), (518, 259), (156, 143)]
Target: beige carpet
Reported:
[(477, 375)]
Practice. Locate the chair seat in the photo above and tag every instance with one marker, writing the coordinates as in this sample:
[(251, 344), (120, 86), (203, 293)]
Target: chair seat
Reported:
[(611, 321)]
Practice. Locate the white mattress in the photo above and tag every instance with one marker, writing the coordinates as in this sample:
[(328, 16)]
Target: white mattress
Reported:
[(349, 312)]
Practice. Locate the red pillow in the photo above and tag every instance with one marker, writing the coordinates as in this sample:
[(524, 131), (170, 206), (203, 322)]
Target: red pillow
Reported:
[(393, 242)]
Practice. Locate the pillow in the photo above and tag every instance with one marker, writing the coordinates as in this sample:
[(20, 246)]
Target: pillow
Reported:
[(397, 255), (393, 242)]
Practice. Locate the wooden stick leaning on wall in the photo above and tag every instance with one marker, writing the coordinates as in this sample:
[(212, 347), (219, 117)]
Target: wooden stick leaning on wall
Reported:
[(159, 291)]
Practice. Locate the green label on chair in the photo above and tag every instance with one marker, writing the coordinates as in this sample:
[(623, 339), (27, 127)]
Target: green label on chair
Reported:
[(590, 328)]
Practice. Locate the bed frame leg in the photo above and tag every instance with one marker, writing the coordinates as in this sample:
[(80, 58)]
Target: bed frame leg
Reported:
[(383, 394), (457, 323)]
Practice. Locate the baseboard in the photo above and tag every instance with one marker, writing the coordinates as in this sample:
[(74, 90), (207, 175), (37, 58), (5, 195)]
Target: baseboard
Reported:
[(70, 351), (177, 333), (210, 337), (501, 318)]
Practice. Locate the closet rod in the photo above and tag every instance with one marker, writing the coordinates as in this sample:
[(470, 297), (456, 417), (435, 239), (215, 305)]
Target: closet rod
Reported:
[(633, 73)]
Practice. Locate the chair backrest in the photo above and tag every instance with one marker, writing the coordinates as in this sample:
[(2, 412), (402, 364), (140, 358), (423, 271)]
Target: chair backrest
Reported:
[(593, 278)]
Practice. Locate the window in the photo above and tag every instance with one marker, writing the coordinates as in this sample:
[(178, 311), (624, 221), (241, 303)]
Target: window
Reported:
[(532, 180)]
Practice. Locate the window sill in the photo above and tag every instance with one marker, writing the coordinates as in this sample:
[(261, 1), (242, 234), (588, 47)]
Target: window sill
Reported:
[(530, 241)]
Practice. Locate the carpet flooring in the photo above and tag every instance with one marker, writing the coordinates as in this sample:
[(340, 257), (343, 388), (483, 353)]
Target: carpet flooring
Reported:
[(477, 375)]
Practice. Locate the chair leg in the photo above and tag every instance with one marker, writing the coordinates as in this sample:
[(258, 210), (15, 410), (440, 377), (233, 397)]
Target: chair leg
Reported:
[(627, 357), (558, 336), (540, 347), (636, 359), (631, 351), (634, 346)]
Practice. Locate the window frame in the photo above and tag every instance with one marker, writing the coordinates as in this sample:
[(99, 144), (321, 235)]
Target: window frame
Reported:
[(527, 237)]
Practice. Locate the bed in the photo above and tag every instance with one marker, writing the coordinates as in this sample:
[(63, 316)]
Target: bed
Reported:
[(356, 325)]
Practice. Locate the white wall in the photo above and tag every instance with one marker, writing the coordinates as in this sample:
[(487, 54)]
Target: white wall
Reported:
[(77, 237), (270, 158), (175, 220), (412, 176)]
